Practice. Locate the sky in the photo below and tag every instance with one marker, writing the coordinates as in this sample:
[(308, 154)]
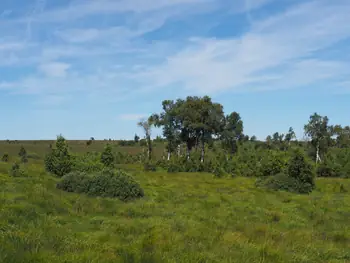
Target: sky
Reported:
[(93, 68)]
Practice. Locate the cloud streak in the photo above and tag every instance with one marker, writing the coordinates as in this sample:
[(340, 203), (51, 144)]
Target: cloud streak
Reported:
[(68, 53)]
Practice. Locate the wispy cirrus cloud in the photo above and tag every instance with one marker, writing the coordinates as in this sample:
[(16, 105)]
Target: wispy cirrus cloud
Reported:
[(277, 50), (55, 69), (131, 117)]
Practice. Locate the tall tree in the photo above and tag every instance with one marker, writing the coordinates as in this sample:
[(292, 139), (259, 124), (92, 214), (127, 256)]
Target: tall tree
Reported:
[(290, 136), (146, 125), (232, 132), (136, 138), (320, 133), (342, 136), (199, 119), (170, 123)]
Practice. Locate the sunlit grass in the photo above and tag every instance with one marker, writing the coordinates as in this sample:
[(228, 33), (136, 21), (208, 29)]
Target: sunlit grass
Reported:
[(183, 218)]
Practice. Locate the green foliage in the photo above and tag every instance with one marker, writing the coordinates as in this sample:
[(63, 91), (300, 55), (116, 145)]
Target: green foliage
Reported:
[(17, 171), (336, 163), (23, 155), (33, 156), (22, 152), (272, 163), (5, 158), (285, 182), (59, 160), (149, 166), (298, 178), (105, 184), (218, 172), (88, 162), (107, 157)]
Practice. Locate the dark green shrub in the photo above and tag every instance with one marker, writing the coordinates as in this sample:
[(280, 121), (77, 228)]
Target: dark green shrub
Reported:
[(284, 182), (77, 182), (106, 184), (107, 157), (17, 171), (149, 167), (24, 159), (300, 169), (272, 164), (33, 156), (335, 164), (218, 172), (5, 158), (22, 152), (298, 178), (89, 162), (59, 161), (174, 167)]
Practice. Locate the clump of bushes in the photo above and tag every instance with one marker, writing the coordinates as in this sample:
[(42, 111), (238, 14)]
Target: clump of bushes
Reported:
[(298, 177), (23, 155), (272, 164), (107, 157), (105, 184), (89, 162), (149, 167), (17, 171), (335, 164), (5, 158), (59, 161)]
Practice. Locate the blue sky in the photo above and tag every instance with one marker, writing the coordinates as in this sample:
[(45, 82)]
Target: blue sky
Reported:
[(95, 67)]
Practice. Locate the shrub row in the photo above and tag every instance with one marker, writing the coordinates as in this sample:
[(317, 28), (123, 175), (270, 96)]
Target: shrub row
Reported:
[(105, 184)]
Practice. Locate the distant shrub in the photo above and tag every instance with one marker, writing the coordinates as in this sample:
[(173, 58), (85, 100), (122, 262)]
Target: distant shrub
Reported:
[(89, 162), (59, 160), (23, 155), (22, 152), (127, 143), (272, 164), (107, 157), (5, 158), (33, 156), (218, 172), (149, 167), (174, 167), (299, 176), (17, 171), (335, 164), (106, 184)]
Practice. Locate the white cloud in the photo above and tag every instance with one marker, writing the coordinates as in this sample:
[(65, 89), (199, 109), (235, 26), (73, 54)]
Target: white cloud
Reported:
[(282, 47), (132, 117), (54, 69), (277, 52)]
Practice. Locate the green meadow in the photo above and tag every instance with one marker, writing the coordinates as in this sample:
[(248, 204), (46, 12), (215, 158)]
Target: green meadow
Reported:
[(184, 217)]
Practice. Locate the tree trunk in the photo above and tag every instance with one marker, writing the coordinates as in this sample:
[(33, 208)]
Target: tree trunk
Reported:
[(179, 150), (318, 158), (202, 154), (188, 152), (149, 150), (168, 155)]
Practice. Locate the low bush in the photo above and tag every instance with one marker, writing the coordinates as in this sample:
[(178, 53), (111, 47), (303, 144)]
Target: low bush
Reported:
[(149, 167), (272, 164), (59, 160), (17, 171), (89, 162), (5, 158), (218, 172), (33, 156), (105, 184), (107, 157), (298, 177)]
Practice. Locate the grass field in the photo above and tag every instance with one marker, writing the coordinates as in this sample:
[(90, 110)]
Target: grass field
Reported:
[(185, 217)]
